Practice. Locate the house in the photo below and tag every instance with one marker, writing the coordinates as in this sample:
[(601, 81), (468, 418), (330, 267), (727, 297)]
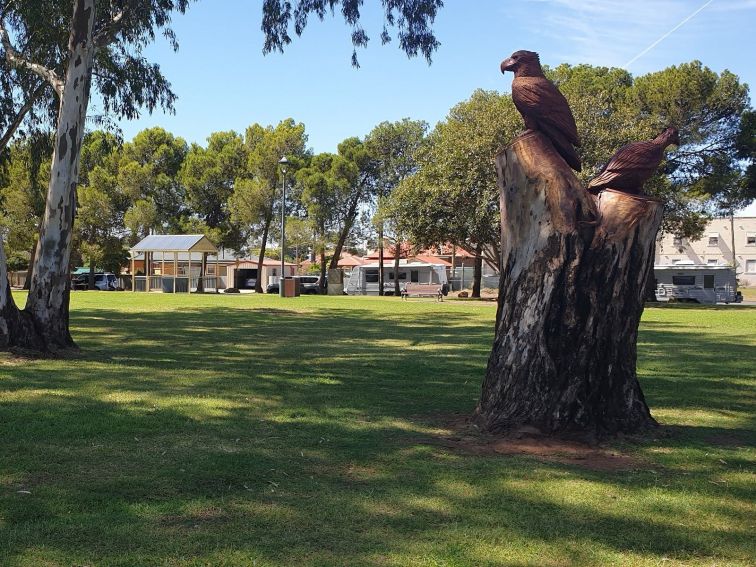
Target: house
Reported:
[(726, 242), (177, 263)]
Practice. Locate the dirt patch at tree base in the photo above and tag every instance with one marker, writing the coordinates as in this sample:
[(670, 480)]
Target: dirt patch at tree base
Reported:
[(460, 435)]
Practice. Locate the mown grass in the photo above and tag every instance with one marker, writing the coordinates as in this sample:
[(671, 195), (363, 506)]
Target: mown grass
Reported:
[(253, 430)]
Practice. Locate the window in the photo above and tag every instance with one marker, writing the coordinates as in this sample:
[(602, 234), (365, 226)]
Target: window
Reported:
[(414, 276), (750, 266), (371, 276), (714, 239), (709, 282), (683, 280), (750, 238)]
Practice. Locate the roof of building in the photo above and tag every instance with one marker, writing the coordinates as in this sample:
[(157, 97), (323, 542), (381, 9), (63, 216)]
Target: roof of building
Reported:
[(175, 243)]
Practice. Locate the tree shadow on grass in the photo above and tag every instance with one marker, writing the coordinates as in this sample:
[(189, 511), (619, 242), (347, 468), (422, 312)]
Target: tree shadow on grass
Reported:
[(216, 436)]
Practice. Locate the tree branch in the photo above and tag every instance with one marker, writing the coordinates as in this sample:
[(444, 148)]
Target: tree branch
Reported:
[(20, 115), (109, 31), (18, 60)]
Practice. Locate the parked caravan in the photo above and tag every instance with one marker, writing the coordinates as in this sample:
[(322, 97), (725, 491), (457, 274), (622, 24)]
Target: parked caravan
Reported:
[(696, 283), (364, 279)]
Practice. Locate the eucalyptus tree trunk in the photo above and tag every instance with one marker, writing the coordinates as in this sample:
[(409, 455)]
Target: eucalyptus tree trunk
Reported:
[(16, 328), (30, 269), (49, 292), (574, 268)]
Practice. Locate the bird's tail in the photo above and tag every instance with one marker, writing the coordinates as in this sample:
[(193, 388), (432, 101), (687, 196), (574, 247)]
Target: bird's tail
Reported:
[(564, 148)]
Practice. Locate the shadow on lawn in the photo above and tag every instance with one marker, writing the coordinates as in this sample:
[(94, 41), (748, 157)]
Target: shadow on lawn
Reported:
[(291, 438)]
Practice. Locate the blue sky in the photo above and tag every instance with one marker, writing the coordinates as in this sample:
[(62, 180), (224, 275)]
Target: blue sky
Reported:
[(225, 83)]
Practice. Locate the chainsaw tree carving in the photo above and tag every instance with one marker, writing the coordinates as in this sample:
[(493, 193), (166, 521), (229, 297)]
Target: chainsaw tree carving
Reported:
[(574, 266)]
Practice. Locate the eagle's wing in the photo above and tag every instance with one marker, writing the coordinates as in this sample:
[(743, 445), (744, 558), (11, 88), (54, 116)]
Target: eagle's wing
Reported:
[(539, 97), (638, 155), (632, 158)]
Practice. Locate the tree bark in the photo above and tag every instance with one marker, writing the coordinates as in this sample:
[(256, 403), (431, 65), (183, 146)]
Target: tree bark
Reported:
[(48, 298), (30, 269), (261, 258), (570, 300), (477, 272), (380, 259), (16, 328), (397, 258), (323, 270), (351, 216)]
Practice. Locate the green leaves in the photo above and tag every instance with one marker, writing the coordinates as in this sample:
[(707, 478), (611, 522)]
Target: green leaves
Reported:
[(411, 18)]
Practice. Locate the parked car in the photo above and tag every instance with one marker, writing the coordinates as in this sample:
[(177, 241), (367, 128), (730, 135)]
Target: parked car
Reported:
[(307, 284), (103, 281)]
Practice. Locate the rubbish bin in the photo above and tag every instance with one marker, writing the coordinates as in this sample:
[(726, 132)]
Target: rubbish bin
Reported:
[(168, 285), (288, 287)]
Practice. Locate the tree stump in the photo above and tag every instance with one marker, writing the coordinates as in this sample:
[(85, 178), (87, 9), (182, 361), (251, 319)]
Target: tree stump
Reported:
[(570, 299)]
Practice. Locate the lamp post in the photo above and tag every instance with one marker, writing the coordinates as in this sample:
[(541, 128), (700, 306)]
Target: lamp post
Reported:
[(283, 163)]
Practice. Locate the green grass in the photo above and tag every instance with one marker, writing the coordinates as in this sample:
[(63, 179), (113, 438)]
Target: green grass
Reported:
[(253, 430)]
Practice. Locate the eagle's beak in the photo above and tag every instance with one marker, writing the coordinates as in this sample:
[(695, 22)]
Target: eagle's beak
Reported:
[(507, 65)]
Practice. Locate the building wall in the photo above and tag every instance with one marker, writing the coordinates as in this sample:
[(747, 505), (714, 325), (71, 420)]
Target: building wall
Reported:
[(715, 248)]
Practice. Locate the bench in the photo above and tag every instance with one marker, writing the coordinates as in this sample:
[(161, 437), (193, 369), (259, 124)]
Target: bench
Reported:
[(423, 290)]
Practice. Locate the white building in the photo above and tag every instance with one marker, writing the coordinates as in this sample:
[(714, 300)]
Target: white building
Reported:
[(715, 248)]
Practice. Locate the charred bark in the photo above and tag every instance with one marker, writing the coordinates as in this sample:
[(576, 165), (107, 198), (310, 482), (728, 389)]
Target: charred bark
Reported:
[(570, 300)]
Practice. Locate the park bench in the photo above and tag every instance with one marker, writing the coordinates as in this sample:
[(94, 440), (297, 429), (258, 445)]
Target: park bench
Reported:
[(423, 290)]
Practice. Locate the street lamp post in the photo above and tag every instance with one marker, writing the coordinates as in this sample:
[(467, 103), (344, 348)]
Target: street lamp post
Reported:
[(284, 165)]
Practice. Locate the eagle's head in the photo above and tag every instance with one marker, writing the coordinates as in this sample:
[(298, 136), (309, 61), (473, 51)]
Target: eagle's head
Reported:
[(522, 63), (669, 136), (674, 135)]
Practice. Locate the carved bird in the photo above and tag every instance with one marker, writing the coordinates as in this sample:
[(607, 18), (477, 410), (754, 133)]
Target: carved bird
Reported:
[(632, 165), (542, 106)]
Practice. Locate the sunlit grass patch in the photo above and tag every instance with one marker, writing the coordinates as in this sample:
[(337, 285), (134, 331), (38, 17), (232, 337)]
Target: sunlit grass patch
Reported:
[(254, 430)]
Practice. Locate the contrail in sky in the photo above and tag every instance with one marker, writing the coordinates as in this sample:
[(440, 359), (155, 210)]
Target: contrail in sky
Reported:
[(666, 35)]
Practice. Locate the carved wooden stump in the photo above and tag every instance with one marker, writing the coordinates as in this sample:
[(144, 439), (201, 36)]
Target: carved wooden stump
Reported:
[(570, 299)]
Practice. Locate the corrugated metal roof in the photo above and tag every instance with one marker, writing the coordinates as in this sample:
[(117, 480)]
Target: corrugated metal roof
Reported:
[(175, 242)]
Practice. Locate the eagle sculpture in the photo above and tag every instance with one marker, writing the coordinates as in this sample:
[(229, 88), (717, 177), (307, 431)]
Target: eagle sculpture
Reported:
[(634, 164), (542, 106)]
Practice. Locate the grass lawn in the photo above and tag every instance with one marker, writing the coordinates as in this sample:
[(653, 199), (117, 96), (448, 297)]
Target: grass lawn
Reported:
[(253, 430)]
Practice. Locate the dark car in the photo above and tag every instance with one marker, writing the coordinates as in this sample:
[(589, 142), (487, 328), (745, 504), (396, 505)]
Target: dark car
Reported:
[(307, 285)]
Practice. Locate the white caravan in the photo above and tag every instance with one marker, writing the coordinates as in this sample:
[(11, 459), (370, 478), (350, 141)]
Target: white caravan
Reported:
[(364, 279), (699, 283)]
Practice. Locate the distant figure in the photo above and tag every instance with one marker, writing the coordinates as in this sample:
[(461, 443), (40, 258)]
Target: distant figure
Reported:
[(634, 164), (542, 106)]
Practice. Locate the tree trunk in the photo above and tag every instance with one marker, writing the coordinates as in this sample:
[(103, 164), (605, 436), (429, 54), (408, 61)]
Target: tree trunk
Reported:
[(91, 279), (30, 269), (349, 221), (397, 257), (380, 259), (261, 258), (16, 328), (323, 270), (570, 299), (477, 272), (50, 287)]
